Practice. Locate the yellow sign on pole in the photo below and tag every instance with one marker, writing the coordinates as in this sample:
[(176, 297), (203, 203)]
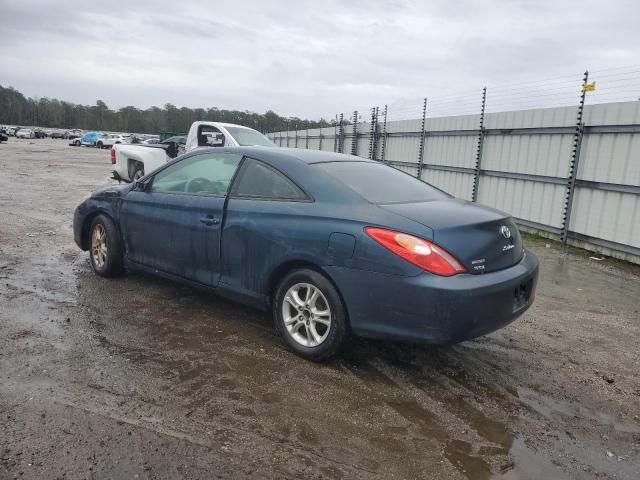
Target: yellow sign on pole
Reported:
[(589, 87)]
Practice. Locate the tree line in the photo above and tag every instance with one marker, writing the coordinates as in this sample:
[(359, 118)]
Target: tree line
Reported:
[(16, 109)]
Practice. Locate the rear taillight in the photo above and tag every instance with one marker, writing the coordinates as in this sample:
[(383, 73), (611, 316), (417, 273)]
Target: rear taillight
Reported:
[(420, 252), (113, 156)]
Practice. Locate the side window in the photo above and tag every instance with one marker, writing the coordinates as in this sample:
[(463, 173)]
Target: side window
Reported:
[(210, 136), (258, 180), (205, 174)]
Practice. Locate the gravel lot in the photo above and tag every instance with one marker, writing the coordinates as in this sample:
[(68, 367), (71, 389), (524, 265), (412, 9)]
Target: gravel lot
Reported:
[(138, 377)]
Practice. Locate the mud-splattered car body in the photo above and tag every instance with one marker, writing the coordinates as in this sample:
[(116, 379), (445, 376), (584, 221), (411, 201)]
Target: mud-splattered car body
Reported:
[(241, 246)]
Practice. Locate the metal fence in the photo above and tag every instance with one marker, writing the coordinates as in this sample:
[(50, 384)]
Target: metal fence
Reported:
[(569, 172)]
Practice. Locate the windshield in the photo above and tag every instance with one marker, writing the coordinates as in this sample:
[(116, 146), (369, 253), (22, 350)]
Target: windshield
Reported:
[(247, 137), (379, 183)]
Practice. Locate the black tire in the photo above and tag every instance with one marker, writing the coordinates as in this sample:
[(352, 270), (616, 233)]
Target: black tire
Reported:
[(111, 264), (338, 331), (76, 143), (100, 145), (137, 173)]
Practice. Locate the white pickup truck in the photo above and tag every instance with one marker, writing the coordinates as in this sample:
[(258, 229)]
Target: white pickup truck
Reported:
[(131, 162)]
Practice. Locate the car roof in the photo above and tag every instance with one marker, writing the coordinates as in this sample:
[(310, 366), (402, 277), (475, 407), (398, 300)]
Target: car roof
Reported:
[(222, 124), (301, 154)]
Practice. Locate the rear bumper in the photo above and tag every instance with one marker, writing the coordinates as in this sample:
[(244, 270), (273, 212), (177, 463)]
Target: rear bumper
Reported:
[(433, 309)]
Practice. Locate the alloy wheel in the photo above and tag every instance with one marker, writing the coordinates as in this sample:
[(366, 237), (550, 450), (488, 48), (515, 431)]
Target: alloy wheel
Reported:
[(307, 314), (99, 246)]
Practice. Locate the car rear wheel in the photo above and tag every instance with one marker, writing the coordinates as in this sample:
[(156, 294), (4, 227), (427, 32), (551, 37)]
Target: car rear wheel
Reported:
[(100, 145), (309, 315), (76, 143), (105, 247), (138, 174)]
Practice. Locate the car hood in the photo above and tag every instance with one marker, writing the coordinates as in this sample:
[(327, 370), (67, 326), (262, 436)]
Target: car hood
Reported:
[(474, 234)]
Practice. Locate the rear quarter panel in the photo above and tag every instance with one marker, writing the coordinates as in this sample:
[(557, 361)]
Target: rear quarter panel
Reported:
[(261, 236)]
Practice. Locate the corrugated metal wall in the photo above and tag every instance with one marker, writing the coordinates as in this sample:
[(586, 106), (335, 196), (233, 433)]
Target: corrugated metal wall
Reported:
[(524, 165)]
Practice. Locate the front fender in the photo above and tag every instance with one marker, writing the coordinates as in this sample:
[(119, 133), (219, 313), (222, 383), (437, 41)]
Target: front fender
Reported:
[(86, 212)]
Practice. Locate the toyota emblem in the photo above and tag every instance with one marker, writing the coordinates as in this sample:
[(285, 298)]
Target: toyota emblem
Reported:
[(505, 231)]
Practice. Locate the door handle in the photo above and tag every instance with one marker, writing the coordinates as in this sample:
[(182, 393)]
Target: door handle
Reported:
[(210, 220)]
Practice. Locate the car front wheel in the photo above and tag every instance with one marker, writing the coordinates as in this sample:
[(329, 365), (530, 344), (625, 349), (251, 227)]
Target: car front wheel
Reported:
[(105, 247), (310, 316)]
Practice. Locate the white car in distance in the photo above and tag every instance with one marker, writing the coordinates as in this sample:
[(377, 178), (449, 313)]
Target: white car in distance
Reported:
[(25, 133), (111, 139)]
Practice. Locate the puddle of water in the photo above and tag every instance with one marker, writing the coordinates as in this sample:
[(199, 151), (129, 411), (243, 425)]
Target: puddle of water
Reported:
[(529, 465), (459, 453)]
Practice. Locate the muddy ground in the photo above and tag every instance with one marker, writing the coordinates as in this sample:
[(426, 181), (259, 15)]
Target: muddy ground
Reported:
[(138, 377)]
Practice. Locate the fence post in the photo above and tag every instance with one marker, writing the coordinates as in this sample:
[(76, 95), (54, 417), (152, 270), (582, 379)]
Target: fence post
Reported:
[(341, 133), (422, 138), (320, 138), (384, 135), (476, 174), (354, 138), (295, 132), (287, 133), (376, 134), (306, 141), (573, 164), (372, 133)]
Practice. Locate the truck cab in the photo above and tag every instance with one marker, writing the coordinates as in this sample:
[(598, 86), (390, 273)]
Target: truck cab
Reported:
[(134, 161)]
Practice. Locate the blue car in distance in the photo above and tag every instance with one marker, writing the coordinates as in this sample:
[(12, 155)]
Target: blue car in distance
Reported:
[(88, 139), (334, 245)]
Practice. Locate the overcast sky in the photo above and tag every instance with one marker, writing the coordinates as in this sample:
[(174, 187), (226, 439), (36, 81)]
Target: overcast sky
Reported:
[(304, 58)]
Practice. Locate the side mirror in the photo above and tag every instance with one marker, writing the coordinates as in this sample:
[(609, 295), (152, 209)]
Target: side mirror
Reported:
[(140, 185)]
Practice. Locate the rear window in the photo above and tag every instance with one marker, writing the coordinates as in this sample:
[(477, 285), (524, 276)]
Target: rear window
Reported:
[(247, 137), (379, 183)]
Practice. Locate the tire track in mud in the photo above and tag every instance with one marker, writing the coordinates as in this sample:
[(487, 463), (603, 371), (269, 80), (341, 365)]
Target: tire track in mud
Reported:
[(426, 419), (460, 413)]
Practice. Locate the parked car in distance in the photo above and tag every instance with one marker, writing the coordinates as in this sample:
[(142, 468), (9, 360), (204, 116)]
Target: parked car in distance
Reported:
[(332, 244), (108, 140), (73, 133), (58, 133), (40, 133), (89, 139), (25, 133), (151, 141), (133, 161)]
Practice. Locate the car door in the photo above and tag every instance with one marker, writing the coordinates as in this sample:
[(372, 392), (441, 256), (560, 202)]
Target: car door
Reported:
[(172, 223), (268, 217)]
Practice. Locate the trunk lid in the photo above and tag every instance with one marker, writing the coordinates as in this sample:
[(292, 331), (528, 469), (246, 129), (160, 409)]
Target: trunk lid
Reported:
[(481, 238)]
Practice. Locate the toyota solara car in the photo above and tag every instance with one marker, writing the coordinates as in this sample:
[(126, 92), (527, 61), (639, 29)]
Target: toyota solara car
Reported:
[(333, 244)]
